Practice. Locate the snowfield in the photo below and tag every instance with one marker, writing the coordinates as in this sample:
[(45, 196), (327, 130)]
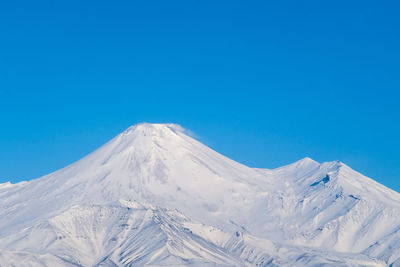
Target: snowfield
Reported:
[(154, 196)]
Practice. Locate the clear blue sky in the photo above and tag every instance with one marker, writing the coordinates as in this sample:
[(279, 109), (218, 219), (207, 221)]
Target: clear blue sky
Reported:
[(263, 82)]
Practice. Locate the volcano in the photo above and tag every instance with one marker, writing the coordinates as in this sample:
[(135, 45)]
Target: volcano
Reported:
[(155, 196)]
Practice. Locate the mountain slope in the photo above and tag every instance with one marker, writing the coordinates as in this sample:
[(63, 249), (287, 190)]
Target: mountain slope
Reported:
[(119, 206)]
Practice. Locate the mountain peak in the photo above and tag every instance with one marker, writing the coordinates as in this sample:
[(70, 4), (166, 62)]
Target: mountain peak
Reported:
[(150, 134), (147, 127), (306, 161)]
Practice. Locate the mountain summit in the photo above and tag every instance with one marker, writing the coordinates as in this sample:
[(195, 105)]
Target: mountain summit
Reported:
[(155, 196)]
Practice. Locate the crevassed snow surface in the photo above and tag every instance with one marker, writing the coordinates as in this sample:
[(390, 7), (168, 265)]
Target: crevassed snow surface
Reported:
[(154, 196)]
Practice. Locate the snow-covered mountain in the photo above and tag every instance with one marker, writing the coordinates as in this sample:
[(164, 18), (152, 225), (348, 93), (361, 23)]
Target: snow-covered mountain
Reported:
[(154, 196)]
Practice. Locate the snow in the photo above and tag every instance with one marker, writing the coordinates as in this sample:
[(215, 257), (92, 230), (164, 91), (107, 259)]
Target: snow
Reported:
[(154, 195)]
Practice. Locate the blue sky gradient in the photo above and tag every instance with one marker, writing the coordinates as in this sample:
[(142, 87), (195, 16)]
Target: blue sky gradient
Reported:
[(265, 83)]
